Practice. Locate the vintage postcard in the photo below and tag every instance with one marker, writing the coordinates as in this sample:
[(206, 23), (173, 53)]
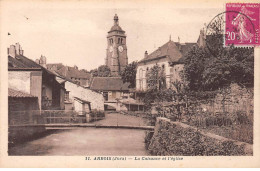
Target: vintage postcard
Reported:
[(130, 83)]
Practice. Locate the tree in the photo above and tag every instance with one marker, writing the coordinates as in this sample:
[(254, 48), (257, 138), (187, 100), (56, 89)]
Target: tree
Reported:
[(101, 71), (156, 83), (207, 72), (129, 74), (216, 66), (156, 79)]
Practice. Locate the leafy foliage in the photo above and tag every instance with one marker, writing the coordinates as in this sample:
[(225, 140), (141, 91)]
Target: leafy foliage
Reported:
[(156, 83), (101, 71), (172, 139), (216, 66), (129, 74), (156, 79), (204, 71), (158, 96)]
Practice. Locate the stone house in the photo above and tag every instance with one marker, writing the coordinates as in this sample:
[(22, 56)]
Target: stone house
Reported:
[(29, 77), (170, 57), (21, 101), (112, 89), (81, 105), (80, 98), (19, 105)]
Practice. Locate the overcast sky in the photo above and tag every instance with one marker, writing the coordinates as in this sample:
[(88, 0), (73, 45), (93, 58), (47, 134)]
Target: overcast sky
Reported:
[(76, 34)]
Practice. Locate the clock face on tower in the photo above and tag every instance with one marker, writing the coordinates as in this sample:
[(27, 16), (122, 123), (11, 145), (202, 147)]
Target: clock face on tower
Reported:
[(111, 49), (120, 48)]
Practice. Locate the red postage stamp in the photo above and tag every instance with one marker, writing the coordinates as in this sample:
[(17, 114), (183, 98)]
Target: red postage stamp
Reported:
[(242, 24)]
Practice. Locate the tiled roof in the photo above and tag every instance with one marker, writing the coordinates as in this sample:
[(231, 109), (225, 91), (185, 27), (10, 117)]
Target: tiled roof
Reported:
[(184, 49), (18, 63), (172, 50), (28, 62), (25, 63), (16, 93), (108, 84), (57, 65), (75, 73), (116, 28), (67, 71)]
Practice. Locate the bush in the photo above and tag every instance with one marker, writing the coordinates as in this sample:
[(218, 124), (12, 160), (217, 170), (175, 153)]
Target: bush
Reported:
[(97, 115), (174, 139), (243, 118)]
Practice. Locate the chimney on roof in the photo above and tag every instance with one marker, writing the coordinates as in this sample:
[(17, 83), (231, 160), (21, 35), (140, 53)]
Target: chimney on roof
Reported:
[(15, 50), (37, 61), (179, 40), (43, 61), (11, 51), (145, 54)]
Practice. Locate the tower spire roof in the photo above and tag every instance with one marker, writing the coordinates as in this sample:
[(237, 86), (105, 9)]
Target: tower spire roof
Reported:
[(116, 19), (116, 26)]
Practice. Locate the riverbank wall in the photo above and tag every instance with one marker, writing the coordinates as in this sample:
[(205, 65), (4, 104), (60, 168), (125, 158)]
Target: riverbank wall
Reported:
[(175, 138), (18, 134)]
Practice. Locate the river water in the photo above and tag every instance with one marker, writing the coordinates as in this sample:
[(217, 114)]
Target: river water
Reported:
[(86, 141)]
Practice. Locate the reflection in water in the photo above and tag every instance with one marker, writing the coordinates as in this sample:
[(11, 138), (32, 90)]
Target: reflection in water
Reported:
[(86, 141)]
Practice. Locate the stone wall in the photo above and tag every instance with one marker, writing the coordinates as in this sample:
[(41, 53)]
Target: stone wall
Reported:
[(18, 134), (22, 104), (27, 81), (175, 138), (232, 99), (96, 99), (19, 80), (22, 125)]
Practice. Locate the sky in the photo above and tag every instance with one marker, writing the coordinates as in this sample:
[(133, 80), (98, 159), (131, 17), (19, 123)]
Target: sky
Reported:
[(75, 33)]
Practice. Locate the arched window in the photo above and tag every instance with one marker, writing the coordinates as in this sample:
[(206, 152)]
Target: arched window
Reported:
[(118, 40), (111, 41)]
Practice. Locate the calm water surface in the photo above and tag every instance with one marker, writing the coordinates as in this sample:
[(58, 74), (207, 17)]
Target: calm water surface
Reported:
[(86, 141)]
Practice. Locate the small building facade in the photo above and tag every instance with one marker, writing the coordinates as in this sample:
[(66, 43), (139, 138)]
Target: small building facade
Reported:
[(21, 101), (78, 97), (29, 77), (170, 57), (81, 106), (112, 89)]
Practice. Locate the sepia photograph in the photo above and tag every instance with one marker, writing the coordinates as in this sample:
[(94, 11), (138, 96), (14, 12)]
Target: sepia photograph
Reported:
[(117, 81)]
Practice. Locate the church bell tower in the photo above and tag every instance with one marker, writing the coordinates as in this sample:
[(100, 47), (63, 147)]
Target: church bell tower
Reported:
[(116, 58)]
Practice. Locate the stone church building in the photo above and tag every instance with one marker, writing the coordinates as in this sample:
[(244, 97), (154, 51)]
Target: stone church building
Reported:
[(116, 53)]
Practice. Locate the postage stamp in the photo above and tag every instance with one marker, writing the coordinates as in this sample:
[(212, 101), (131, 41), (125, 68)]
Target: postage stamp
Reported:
[(242, 24)]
